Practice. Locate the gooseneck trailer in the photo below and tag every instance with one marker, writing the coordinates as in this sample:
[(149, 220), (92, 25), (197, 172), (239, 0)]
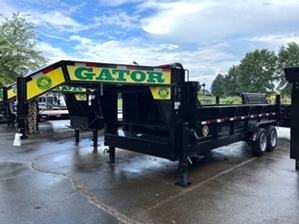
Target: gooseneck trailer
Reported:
[(161, 113)]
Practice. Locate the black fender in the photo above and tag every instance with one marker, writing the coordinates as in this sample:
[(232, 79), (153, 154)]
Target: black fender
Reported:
[(253, 126)]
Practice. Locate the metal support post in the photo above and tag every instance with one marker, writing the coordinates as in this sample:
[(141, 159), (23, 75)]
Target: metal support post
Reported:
[(111, 154), (22, 110), (95, 140), (77, 135), (183, 157), (217, 99)]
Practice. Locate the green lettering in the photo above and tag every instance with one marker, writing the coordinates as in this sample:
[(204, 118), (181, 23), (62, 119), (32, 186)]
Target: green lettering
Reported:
[(138, 76), (79, 89), (105, 75), (155, 77), (84, 73), (76, 89), (67, 88), (121, 74), (58, 88)]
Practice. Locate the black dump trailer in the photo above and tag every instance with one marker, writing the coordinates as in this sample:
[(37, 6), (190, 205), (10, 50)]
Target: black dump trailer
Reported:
[(8, 104), (161, 113), (171, 123)]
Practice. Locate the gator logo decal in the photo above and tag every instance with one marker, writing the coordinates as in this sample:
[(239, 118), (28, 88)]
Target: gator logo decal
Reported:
[(205, 130), (44, 83), (163, 93)]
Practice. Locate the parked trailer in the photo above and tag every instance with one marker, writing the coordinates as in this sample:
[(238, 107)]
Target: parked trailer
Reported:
[(181, 127), (8, 104), (162, 115)]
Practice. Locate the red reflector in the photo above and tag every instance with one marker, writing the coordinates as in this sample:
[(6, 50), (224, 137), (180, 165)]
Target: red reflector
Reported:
[(47, 70), (131, 67), (91, 65)]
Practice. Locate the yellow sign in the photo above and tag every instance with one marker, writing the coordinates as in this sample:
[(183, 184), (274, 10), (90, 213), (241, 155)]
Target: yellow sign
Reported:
[(11, 93), (80, 97), (117, 75), (161, 93), (205, 130), (44, 83)]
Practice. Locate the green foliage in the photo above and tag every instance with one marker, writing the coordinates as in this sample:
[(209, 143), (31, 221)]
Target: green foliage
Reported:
[(287, 56), (231, 100), (217, 88), (18, 48), (230, 85), (260, 70), (257, 72)]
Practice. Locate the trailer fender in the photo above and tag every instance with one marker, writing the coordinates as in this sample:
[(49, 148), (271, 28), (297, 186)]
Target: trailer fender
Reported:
[(253, 127)]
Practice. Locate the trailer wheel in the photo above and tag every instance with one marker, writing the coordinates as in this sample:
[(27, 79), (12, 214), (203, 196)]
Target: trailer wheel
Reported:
[(259, 146), (271, 138)]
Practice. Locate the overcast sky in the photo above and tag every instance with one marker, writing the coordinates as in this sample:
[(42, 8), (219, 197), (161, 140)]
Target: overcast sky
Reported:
[(207, 37)]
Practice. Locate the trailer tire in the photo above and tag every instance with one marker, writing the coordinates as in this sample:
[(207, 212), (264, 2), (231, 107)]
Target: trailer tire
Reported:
[(271, 138), (259, 146)]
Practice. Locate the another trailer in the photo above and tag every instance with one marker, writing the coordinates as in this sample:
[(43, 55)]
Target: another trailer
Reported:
[(8, 108)]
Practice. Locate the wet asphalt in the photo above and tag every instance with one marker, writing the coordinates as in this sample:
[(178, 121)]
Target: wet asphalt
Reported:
[(50, 179)]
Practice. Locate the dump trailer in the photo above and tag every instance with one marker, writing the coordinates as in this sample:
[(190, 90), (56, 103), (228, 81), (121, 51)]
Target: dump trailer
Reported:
[(161, 113), (8, 104), (170, 122)]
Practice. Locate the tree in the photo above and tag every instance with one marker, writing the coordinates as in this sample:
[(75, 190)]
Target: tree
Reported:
[(257, 72), (230, 81), (287, 56), (18, 48), (217, 87)]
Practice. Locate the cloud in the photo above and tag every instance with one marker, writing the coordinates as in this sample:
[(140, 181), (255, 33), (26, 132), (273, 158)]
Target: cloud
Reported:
[(206, 36), (196, 21), (278, 39), (61, 23), (199, 62), (54, 54), (121, 19)]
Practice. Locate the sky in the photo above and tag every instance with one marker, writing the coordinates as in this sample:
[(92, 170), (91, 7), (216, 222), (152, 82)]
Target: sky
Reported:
[(206, 36)]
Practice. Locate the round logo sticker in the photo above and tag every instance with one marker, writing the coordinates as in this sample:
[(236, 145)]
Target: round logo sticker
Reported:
[(44, 82), (82, 96), (205, 130), (163, 93)]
